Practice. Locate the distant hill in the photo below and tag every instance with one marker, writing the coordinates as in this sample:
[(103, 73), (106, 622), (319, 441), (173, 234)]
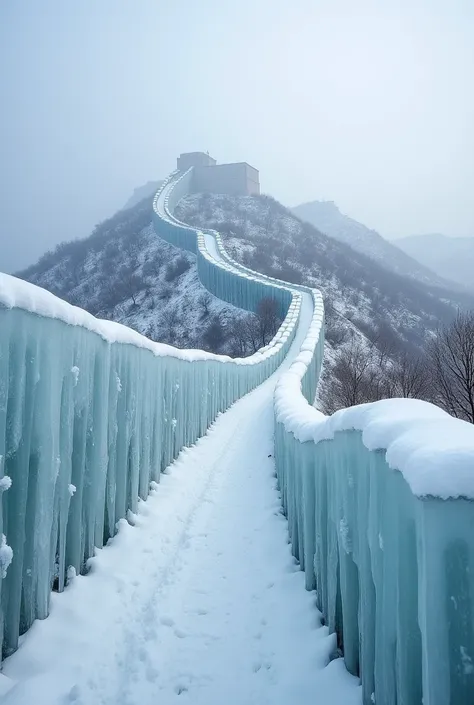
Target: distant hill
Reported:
[(327, 217), (450, 257)]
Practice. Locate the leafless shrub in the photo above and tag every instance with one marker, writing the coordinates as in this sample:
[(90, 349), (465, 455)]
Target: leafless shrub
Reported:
[(452, 364)]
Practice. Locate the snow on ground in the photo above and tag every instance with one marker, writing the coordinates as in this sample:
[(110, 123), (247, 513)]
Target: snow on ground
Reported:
[(199, 602)]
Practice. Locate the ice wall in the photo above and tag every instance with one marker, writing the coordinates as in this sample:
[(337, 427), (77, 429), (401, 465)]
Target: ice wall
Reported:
[(379, 498), (220, 275), (90, 413), (380, 505)]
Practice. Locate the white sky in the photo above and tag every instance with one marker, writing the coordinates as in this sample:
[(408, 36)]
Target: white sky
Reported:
[(369, 104)]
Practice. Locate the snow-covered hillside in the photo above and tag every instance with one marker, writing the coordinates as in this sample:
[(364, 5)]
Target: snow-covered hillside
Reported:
[(125, 273), (327, 217), (450, 257), (359, 293)]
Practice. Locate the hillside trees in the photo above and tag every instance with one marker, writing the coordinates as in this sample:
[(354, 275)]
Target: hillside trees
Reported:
[(444, 375), (367, 371), (451, 357), (253, 332)]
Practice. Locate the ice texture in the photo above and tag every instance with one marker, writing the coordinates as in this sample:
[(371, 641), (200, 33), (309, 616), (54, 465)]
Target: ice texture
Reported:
[(379, 500)]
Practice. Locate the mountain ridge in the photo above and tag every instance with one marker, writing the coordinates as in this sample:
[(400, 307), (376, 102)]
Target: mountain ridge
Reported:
[(124, 272), (327, 217), (451, 257)]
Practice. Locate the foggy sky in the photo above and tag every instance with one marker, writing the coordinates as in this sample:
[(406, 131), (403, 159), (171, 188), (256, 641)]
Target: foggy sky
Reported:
[(369, 104)]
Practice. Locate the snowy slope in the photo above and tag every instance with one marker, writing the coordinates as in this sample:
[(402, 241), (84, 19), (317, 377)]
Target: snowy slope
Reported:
[(125, 273), (327, 217), (359, 293), (450, 257)]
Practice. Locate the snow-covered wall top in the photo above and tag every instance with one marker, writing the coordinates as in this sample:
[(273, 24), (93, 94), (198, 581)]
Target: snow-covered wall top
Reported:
[(433, 451), (16, 293)]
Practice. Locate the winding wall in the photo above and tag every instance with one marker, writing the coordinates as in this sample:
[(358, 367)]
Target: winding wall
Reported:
[(379, 498)]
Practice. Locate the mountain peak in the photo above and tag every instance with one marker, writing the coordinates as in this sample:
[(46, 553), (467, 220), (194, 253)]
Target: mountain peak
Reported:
[(326, 216), (450, 257), (323, 207)]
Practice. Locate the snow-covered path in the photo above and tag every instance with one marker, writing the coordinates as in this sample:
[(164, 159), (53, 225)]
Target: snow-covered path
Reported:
[(199, 602)]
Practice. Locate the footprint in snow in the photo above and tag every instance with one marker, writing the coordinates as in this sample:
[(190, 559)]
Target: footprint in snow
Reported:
[(167, 621)]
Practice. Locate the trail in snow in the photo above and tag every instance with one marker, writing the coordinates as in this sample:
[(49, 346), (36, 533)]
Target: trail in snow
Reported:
[(199, 602)]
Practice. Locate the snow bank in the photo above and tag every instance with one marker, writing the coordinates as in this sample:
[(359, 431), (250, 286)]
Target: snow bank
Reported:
[(16, 293), (433, 451)]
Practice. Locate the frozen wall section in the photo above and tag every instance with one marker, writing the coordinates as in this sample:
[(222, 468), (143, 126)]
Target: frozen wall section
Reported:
[(90, 413), (223, 279), (380, 506)]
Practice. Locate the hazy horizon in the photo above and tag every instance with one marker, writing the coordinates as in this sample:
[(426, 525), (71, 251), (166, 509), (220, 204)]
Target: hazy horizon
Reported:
[(367, 106)]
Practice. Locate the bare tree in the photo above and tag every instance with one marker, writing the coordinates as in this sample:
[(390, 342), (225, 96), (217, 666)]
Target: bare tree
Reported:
[(214, 335), (268, 320), (152, 266), (452, 363), (204, 302), (169, 321), (132, 245), (251, 334), (362, 373), (130, 283), (238, 338), (76, 267), (368, 372), (411, 377), (354, 377)]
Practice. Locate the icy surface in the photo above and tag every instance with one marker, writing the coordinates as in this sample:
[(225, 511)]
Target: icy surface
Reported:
[(200, 601)]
